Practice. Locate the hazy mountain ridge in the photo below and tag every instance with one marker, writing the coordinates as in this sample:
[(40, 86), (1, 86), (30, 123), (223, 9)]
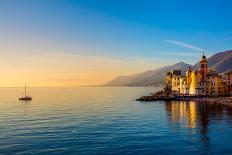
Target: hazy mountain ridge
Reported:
[(151, 77), (221, 62)]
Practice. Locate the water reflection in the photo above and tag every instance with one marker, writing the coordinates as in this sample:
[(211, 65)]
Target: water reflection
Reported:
[(197, 116), (25, 104), (192, 114), (106, 120), (181, 111)]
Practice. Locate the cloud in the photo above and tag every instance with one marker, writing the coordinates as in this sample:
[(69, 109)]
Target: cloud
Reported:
[(186, 45)]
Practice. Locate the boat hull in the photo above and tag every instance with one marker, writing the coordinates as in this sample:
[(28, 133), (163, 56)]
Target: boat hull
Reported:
[(26, 98)]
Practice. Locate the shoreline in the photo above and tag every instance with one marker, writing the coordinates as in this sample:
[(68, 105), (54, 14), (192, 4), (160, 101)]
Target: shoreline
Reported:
[(224, 100)]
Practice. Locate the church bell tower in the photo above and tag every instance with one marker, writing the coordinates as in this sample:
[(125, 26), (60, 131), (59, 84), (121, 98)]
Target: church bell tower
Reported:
[(203, 67)]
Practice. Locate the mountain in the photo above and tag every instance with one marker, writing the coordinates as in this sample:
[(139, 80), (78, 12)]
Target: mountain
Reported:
[(151, 77), (221, 62)]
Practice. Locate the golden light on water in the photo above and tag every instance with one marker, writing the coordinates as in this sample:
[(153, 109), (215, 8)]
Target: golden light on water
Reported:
[(184, 112), (192, 115)]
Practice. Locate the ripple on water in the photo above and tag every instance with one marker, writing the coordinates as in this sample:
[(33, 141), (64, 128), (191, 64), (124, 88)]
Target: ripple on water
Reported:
[(107, 120)]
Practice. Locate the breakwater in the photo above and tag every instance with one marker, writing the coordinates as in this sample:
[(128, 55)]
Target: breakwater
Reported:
[(170, 96)]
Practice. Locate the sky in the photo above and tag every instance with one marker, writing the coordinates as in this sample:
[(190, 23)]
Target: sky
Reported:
[(89, 42)]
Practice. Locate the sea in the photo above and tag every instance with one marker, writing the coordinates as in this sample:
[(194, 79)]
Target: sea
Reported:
[(108, 120)]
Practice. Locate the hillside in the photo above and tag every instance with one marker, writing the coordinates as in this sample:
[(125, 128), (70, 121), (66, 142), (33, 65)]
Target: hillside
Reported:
[(221, 62), (151, 77)]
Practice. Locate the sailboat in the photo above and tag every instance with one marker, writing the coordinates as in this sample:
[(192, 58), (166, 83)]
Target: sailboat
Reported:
[(25, 97)]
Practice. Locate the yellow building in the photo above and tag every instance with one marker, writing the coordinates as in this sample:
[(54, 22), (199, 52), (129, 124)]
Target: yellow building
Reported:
[(194, 86), (200, 82), (229, 82)]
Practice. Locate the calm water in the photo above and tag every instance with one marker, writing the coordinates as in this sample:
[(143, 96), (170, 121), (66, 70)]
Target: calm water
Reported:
[(108, 121)]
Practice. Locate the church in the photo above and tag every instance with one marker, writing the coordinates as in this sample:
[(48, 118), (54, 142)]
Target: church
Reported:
[(203, 81)]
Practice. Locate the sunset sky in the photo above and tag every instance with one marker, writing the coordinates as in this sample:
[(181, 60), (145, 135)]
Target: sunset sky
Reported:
[(89, 42)]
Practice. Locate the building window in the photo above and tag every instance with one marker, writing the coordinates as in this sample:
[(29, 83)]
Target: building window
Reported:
[(202, 66)]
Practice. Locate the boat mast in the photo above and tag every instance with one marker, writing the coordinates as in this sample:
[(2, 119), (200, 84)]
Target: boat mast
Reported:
[(25, 90)]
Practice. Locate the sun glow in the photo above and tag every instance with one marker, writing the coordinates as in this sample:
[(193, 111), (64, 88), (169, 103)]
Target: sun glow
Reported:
[(49, 68)]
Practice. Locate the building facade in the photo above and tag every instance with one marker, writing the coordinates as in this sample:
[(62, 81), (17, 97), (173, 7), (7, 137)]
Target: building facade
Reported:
[(200, 82), (228, 78)]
